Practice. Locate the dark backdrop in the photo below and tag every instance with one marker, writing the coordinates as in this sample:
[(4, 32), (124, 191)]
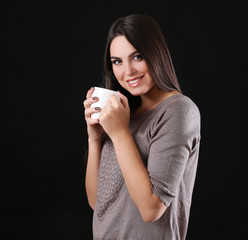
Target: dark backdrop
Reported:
[(52, 54)]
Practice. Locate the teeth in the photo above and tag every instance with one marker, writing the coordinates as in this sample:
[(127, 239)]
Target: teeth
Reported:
[(134, 81)]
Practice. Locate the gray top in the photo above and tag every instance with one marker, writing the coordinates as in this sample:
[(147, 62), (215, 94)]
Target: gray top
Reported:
[(167, 138)]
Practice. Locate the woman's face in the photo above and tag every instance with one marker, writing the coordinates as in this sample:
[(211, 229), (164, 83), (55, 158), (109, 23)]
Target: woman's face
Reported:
[(129, 67)]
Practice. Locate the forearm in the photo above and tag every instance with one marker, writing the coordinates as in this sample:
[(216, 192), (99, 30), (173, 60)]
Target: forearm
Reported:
[(137, 178), (92, 170)]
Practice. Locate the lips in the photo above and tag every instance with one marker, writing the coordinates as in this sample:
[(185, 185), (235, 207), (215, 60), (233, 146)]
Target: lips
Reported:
[(134, 82)]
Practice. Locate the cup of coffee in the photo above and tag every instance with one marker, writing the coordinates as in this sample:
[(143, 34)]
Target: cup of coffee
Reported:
[(103, 95)]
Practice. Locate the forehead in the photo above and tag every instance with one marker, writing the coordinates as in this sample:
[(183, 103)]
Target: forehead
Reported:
[(120, 47)]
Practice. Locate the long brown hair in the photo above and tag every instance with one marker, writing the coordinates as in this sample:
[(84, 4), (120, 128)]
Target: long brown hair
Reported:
[(146, 37)]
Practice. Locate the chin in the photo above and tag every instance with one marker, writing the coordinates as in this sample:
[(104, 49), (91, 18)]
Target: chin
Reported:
[(136, 92)]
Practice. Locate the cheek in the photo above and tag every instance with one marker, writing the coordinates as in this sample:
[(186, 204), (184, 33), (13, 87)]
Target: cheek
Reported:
[(118, 73), (141, 66)]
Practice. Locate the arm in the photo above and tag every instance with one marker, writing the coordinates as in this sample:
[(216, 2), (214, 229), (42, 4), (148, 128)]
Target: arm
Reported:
[(135, 173), (92, 172), (95, 134), (137, 178)]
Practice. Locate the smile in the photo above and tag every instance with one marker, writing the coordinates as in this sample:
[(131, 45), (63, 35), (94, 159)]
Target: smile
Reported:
[(134, 82)]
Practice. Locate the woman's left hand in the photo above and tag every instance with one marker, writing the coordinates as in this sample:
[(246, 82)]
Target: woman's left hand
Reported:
[(115, 116)]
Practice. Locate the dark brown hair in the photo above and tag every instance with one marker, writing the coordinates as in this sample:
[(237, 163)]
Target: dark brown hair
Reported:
[(146, 37)]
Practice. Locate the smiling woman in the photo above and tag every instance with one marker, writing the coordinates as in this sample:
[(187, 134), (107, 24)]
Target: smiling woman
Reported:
[(142, 158), (129, 67)]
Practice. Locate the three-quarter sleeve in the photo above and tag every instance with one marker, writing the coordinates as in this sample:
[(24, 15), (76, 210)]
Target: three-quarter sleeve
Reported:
[(173, 137)]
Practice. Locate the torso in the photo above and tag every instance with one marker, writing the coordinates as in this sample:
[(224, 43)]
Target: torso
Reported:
[(116, 216)]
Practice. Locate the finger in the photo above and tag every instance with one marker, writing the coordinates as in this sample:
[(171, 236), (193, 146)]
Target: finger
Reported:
[(103, 116), (113, 99), (89, 101), (124, 100), (89, 93), (89, 111), (91, 121)]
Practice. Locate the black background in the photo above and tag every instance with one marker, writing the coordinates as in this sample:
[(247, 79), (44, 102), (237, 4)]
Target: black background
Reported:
[(53, 52)]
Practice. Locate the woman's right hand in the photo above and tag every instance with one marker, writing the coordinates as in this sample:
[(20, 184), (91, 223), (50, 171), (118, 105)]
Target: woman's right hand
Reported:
[(94, 129)]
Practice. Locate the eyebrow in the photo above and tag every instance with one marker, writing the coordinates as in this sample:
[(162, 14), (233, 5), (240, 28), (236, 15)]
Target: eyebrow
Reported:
[(130, 55)]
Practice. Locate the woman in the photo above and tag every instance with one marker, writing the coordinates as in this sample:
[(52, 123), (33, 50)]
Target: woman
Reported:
[(143, 150)]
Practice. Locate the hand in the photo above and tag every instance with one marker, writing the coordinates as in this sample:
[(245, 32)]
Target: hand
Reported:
[(115, 116), (94, 129)]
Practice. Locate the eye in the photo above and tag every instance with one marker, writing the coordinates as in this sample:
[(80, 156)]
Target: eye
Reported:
[(137, 57), (116, 62)]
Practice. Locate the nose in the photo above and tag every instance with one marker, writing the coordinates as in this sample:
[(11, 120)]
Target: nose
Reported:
[(129, 69)]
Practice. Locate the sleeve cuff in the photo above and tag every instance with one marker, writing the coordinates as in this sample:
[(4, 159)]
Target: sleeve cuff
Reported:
[(161, 190)]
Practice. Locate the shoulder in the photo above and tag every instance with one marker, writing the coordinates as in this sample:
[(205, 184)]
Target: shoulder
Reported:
[(183, 103), (178, 105), (178, 114), (177, 111)]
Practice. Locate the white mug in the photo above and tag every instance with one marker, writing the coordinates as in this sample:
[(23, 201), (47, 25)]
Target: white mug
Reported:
[(103, 95)]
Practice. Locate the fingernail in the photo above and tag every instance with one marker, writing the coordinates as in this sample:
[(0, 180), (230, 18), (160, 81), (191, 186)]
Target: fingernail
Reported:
[(94, 98), (96, 108)]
